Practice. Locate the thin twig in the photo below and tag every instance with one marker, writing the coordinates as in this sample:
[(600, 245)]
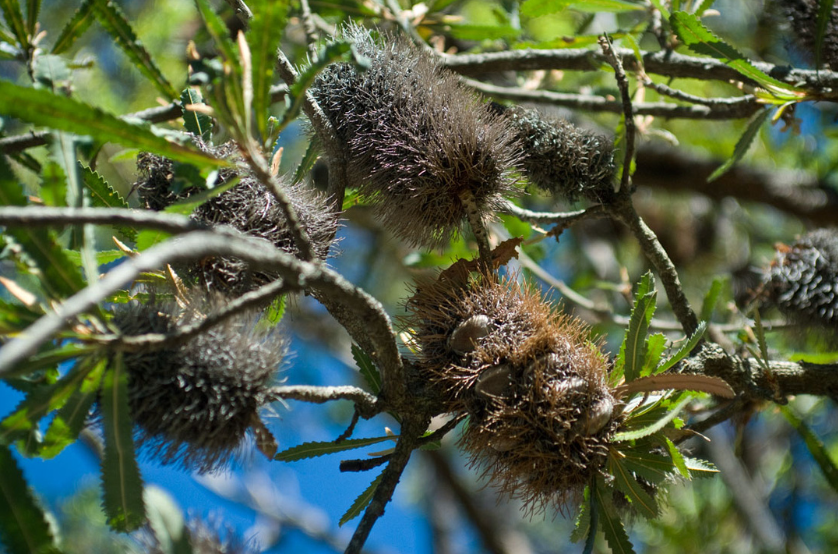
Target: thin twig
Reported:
[(628, 110), (747, 100), (367, 404), (310, 29), (356, 415), (357, 466), (563, 220), (241, 10)]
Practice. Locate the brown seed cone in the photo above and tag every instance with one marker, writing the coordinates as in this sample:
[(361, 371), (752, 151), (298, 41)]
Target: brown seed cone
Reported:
[(534, 385)]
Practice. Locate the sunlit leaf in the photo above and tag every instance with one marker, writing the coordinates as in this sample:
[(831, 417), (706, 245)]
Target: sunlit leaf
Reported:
[(536, 8), (309, 159), (197, 123), (14, 19), (655, 346), (708, 306), (633, 349), (654, 427), (685, 349), (263, 37)]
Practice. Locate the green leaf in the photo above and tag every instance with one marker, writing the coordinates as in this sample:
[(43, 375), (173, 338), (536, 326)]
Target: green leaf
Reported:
[(628, 484), (53, 185), (701, 41), (652, 467), (654, 348), (102, 195), (74, 28), (51, 72), (149, 237), (220, 35), (677, 459), (583, 520), (633, 349), (314, 449), (742, 144), (361, 502), (309, 159), (700, 468), (825, 8), (536, 8), (190, 203), (712, 298), (111, 18), (14, 19), (33, 8), (15, 318), (367, 368), (703, 7), (122, 484), (263, 38), (685, 349), (50, 358), (51, 110), (655, 427), (23, 525), (196, 123), (276, 310), (612, 527), (815, 446), (102, 257), (661, 6), (71, 417), (482, 32)]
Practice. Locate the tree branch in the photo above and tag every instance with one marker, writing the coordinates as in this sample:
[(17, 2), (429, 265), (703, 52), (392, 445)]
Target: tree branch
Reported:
[(367, 404), (628, 111), (42, 216)]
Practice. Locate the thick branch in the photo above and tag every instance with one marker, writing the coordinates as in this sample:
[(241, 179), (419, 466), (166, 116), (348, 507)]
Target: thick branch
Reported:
[(40, 216)]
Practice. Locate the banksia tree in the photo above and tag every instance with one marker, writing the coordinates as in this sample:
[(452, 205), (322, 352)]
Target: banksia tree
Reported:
[(422, 148)]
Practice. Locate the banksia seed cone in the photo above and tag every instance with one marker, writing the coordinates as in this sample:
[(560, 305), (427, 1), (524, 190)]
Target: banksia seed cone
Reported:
[(803, 16), (421, 146), (534, 385), (248, 207), (563, 159), (802, 280), (194, 402)]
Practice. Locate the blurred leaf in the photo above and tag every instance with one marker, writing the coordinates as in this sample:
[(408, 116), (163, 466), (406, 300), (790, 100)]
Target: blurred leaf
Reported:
[(482, 32), (71, 417), (309, 159), (628, 485), (51, 72), (361, 502), (742, 144), (703, 7), (102, 257), (583, 520), (815, 446), (51, 358), (276, 310), (315, 449), (701, 41), (53, 185), (23, 525), (677, 459), (122, 484), (759, 330), (14, 19), (33, 9), (51, 110), (367, 368), (652, 467), (654, 348), (196, 123), (712, 298), (190, 203), (654, 427), (536, 8), (149, 237), (699, 468), (74, 28), (220, 35), (111, 18), (633, 350), (15, 318), (263, 37), (609, 521), (825, 8), (685, 349)]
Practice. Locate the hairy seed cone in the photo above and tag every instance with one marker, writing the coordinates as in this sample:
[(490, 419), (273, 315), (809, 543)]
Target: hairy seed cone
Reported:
[(420, 144), (194, 403), (802, 280), (802, 16), (534, 385)]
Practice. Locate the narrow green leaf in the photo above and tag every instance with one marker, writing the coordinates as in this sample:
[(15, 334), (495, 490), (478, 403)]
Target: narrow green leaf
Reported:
[(703, 7), (71, 417), (51, 110), (655, 346), (74, 28), (700, 468), (612, 527), (633, 349), (190, 203), (655, 427), (742, 144), (712, 298), (652, 467), (309, 159), (15, 318), (196, 123), (220, 35), (361, 502), (701, 41), (53, 185), (102, 257), (50, 358), (314, 449), (102, 195), (677, 459), (23, 524), (149, 237), (367, 368), (626, 482), (111, 18), (685, 349), (263, 38), (661, 6), (14, 19), (33, 9), (465, 31), (537, 8), (825, 8), (275, 312), (51, 72), (815, 446), (122, 484), (583, 520)]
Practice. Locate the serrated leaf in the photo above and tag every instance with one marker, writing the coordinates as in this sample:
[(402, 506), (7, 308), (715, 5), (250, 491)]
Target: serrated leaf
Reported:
[(122, 484), (367, 369), (102, 195), (815, 446), (685, 349), (49, 359), (197, 123), (628, 485), (742, 144), (52, 110), (537, 8), (111, 18), (220, 35), (71, 417), (825, 8), (74, 28), (309, 159), (708, 306), (652, 467), (361, 502), (103, 257), (655, 346), (633, 349), (275, 312), (699, 468), (263, 38), (677, 459), (654, 427), (23, 524), (14, 19), (15, 318), (315, 449), (39, 403), (701, 41), (609, 522), (583, 519), (678, 381)]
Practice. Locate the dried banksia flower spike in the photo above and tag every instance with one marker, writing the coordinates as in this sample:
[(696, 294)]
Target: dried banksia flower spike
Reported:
[(802, 280), (561, 158), (421, 147), (193, 403)]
